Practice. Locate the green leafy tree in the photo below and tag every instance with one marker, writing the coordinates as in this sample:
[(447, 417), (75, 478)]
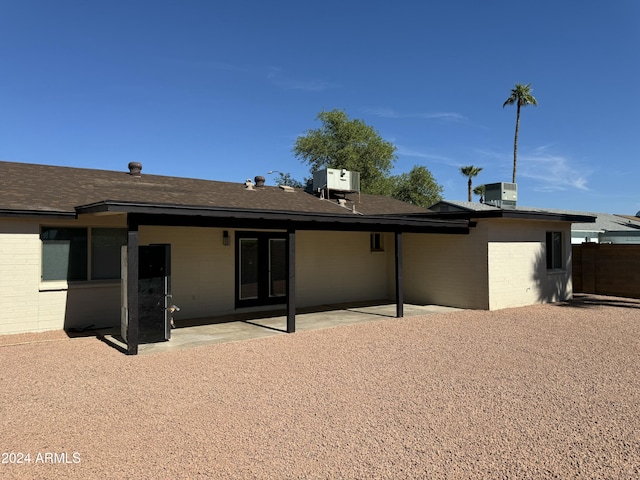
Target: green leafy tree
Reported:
[(479, 190), (287, 179), (521, 96), (417, 187), (470, 172), (351, 144)]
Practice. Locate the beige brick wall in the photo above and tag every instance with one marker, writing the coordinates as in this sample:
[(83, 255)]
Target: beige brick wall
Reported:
[(202, 268), (330, 267), (518, 274), (29, 305), (20, 274), (449, 270), (334, 267), (500, 264)]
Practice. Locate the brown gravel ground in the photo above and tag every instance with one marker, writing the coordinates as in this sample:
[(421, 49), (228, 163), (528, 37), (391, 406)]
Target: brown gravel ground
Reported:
[(548, 391)]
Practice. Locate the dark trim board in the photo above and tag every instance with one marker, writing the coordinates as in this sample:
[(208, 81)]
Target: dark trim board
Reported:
[(511, 214), (264, 219), (36, 213)]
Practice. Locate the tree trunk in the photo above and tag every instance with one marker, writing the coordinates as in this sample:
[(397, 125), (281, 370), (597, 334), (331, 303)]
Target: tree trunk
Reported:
[(515, 145), (469, 188)]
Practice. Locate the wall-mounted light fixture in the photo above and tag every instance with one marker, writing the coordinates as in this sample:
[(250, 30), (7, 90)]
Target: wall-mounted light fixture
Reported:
[(225, 237)]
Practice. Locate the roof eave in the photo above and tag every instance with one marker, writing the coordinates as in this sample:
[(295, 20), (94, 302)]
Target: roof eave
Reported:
[(302, 220), (36, 213), (518, 214)]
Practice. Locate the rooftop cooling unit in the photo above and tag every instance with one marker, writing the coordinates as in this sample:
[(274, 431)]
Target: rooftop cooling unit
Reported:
[(338, 180), (503, 195)]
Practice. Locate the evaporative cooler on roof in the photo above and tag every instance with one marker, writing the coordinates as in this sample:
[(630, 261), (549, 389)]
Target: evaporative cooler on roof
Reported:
[(338, 180), (502, 194)]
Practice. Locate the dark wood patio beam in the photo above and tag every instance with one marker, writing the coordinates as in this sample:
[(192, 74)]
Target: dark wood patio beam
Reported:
[(291, 281), (399, 281), (132, 286)]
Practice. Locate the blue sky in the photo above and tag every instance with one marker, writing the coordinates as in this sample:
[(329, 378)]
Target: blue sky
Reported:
[(221, 90)]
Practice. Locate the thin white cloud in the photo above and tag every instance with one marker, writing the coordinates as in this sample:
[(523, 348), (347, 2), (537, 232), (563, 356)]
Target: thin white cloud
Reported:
[(389, 113), (551, 172), (450, 116)]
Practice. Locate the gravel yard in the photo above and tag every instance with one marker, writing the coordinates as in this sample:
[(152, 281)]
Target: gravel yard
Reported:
[(548, 391)]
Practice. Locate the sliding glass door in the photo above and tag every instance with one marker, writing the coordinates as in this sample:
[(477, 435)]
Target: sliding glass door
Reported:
[(261, 268), (248, 274)]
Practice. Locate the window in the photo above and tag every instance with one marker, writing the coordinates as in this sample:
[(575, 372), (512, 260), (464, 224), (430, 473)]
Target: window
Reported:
[(376, 242), (277, 267), (248, 260), (66, 254), (554, 251), (106, 244)]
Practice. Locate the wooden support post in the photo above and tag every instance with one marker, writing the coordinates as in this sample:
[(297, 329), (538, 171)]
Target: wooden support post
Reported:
[(399, 282), (132, 287), (291, 281)]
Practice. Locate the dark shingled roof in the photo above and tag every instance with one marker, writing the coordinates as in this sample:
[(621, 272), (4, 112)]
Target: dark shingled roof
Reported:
[(53, 189)]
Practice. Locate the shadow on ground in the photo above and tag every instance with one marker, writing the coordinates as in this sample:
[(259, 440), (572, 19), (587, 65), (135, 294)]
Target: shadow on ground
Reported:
[(585, 300)]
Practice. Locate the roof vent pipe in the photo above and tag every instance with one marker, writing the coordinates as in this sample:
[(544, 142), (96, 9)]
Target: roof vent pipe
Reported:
[(259, 181), (135, 168)]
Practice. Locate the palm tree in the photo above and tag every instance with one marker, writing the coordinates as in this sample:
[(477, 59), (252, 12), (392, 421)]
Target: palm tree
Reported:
[(479, 190), (521, 96), (470, 172)]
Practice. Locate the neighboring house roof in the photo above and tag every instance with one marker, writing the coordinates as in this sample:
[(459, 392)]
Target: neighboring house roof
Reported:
[(32, 189), (608, 222), (633, 218), (459, 209)]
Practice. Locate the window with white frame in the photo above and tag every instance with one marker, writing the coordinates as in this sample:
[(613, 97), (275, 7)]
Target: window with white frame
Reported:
[(555, 251), (80, 254)]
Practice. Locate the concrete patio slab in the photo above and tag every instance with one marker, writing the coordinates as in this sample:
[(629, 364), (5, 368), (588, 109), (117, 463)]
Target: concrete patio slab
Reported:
[(245, 326)]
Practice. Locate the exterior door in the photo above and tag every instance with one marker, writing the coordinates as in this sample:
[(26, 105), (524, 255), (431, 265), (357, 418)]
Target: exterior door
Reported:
[(261, 268), (154, 291)]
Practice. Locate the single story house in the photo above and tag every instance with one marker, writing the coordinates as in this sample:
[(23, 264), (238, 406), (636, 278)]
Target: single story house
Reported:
[(81, 247)]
